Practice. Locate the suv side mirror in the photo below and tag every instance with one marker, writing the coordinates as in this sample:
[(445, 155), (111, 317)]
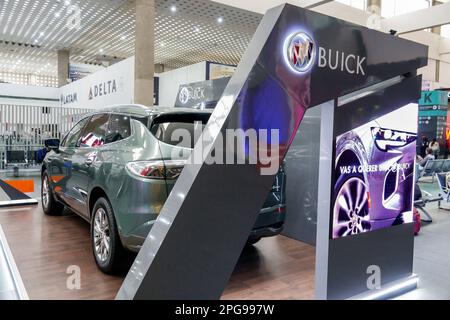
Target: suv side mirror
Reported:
[(52, 144)]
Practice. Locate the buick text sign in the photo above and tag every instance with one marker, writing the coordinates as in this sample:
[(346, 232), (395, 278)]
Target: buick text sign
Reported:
[(200, 95), (341, 61), (301, 53), (189, 93), (334, 59)]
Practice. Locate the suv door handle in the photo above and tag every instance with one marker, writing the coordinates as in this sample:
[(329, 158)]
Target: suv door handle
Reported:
[(88, 162)]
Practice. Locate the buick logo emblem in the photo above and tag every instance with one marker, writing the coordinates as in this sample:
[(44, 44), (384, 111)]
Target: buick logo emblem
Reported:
[(184, 95), (300, 52)]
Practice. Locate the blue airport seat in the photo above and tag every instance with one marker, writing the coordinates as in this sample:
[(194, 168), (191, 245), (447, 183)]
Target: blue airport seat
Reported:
[(444, 191), (446, 167)]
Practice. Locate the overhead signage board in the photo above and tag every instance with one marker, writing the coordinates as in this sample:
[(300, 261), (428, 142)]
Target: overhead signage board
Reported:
[(201, 95), (78, 71), (109, 86), (434, 98), (217, 70)]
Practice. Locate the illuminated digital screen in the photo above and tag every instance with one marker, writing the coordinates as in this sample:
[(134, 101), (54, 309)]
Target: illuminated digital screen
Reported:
[(374, 174)]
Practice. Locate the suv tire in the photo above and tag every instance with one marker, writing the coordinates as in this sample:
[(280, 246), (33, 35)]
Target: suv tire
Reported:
[(106, 245), (50, 205)]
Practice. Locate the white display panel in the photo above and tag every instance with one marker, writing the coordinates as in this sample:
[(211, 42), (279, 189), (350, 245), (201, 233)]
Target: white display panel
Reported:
[(110, 86)]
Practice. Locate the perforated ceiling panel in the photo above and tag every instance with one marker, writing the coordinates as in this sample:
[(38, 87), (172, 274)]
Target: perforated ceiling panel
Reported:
[(32, 31)]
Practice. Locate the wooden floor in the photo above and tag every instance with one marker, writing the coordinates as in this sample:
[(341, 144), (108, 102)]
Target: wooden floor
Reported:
[(45, 247)]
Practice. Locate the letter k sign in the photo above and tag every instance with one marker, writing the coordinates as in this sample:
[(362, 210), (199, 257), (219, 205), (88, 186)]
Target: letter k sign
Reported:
[(427, 98)]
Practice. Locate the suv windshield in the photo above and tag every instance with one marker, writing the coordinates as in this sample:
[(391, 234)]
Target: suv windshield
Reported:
[(178, 129)]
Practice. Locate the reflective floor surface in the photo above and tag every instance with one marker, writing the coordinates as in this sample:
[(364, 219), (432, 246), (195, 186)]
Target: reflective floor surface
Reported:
[(432, 254), (49, 250)]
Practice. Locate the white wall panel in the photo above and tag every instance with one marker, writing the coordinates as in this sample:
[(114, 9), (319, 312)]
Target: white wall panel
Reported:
[(110, 86), (170, 81), (428, 72), (444, 74), (28, 95)]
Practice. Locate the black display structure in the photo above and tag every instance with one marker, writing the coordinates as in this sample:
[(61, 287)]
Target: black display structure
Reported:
[(297, 59)]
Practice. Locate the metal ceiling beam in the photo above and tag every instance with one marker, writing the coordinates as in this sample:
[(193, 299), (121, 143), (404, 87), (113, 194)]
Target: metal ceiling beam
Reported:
[(262, 6), (419, 20)]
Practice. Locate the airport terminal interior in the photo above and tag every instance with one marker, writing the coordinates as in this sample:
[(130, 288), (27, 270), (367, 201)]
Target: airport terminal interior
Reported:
[(97, 202)]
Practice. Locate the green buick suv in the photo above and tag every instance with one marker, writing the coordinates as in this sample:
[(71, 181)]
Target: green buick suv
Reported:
[(115, 168)]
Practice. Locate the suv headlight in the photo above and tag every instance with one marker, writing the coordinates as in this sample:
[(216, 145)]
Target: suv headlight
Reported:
[(387, 139)]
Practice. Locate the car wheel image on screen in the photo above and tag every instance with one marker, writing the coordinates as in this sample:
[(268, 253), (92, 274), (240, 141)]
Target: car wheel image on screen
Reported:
[(374, 175), (351, 206)]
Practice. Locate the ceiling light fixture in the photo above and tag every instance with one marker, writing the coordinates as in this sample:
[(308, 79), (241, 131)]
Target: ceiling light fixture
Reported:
[(197, 29), (220, 19), (173, 8), (57, 14)]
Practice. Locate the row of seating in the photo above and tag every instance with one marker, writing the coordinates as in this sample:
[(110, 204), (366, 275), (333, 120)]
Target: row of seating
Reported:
[(422, 198), (25, 158), (436, 166), (444, 191)]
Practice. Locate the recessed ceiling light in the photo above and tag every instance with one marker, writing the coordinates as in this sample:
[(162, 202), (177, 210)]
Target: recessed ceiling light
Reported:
[(41, 34), (123, 38), (196, 29), (173, 8), (163, 44), (57, 14), (219, 19), (66, 2), (35, 40)]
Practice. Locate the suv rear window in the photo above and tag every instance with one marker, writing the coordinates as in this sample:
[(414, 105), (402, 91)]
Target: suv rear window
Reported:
[(164, 128), (119, 128)]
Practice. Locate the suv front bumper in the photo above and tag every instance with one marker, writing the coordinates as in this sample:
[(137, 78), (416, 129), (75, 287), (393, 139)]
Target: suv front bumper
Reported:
[(270, 222)]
